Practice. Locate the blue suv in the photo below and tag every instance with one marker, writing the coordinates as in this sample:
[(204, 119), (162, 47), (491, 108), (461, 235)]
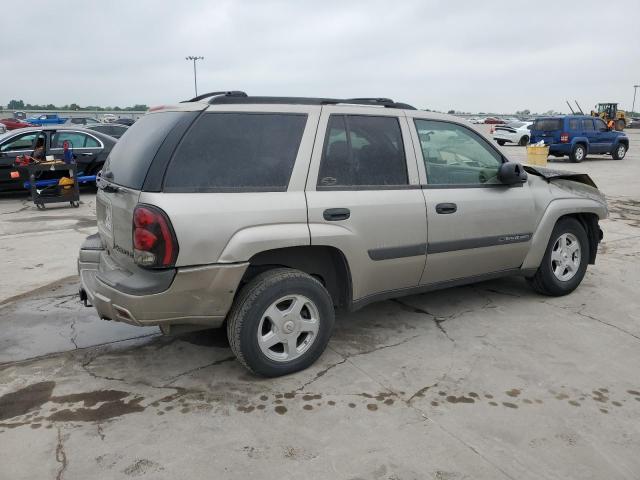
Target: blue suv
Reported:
[(577, 136)]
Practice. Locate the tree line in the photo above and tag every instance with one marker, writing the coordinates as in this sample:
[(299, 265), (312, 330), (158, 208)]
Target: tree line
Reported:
[(20, 105)]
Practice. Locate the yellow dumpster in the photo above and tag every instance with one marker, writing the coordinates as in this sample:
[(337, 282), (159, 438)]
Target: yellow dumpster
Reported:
[(537, 155)]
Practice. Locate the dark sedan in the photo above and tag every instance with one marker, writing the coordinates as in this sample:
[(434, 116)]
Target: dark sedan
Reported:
[(112, 129), (14, 123), (90, 149)]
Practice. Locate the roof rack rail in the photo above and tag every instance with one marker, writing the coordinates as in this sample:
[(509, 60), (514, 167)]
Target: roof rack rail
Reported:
[(228, 93), (241, 97), (386, 102)]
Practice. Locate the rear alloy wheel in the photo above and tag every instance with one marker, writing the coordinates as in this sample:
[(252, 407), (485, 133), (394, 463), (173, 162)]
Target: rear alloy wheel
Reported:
[(501, 142), (565, 261), (280, 322), (524, 141), (619, 152), (578, 154)]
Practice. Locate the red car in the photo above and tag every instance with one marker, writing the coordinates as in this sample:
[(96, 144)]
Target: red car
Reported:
[(14, 123), (494, 121)]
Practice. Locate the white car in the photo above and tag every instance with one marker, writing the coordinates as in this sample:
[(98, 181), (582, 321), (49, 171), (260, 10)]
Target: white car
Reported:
[(3, 129), (514, 132), (109, 118)]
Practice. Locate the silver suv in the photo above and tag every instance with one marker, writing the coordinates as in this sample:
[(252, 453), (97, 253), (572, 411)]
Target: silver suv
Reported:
[(265, 214)]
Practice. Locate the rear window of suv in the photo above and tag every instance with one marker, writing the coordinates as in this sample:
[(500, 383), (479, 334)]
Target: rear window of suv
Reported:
[(130, 158), (227, 152), (548, 124)]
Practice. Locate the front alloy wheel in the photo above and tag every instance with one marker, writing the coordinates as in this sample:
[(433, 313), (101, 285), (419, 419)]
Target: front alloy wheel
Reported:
[(565, 257), (565, 260)]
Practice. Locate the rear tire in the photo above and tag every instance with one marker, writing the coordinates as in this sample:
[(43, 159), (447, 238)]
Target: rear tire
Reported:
[(563, 266), (501, 142), (524, 141), (619, 152), (578, 153), (280, 322)]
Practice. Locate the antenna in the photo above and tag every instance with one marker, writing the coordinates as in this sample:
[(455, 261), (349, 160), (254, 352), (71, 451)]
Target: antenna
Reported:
[(579, 107), (572, 112)]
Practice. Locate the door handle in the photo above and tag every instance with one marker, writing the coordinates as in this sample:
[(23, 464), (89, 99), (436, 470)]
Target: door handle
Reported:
[(446, 208), (86, 154), (335, 214)]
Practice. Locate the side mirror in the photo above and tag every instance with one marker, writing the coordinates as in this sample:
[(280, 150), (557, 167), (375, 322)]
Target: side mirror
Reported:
[(530, 127), (511, 173)]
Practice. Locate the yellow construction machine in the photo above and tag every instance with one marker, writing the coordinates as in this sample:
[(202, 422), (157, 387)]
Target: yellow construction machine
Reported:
[(610, 111)]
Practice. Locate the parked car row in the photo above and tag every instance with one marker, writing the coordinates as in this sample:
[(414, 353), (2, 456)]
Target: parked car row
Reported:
[(90, 149)]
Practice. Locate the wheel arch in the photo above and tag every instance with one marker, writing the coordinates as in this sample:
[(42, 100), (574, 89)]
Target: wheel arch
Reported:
[(586, 211), (328, 264)]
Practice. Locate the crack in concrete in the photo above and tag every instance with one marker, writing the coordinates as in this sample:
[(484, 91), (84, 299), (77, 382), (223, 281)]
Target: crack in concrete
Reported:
[(61, 456), (437, 320), (321, 373), (579, 311), (421, 392), (196, 369), (64, 352), (100, 432), (74, 334)]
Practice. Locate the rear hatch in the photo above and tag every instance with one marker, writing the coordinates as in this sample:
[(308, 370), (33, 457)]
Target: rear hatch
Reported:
[(547, 129), (124, 173)]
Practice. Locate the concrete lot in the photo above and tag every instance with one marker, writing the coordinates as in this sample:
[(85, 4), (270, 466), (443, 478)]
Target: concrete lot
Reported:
[(488, 381)]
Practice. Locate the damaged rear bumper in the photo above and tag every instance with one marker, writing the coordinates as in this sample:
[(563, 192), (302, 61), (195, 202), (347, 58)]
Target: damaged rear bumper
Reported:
[(183, 296)]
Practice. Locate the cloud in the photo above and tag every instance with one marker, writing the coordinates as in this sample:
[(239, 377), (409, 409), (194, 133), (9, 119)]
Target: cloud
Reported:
[(473, 56)]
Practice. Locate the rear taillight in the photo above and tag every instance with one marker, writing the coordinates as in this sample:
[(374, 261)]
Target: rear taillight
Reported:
[(154, 241), (564, 138)]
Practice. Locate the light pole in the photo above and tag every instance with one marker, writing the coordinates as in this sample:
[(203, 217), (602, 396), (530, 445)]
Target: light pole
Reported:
[(635, 88), (195, 77)]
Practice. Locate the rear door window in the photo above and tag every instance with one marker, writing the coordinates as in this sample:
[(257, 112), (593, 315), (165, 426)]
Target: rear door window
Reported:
[(574, 124), (548, 124), (227, 152), (363, 150), (587, 125)]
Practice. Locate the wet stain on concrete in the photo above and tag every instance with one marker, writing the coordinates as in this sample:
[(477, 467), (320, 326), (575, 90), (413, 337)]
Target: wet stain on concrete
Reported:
[(493, 404), (574, 403), (24, 400), (280, 410), (104, 412), (509, 405), (460, 399), (331, 403), (306, 398), (514, 392), (307, 406), (90, 399), (372, 407), (352, 405)]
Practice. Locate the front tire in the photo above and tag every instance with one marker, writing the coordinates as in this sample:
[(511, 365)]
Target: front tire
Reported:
[(565, 261), (280, 322), (524, 141), (501, 142), (578, 153), (619, 152)]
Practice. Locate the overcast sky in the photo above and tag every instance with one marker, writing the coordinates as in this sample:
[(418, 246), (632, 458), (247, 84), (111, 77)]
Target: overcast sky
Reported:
[(463, 55)]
